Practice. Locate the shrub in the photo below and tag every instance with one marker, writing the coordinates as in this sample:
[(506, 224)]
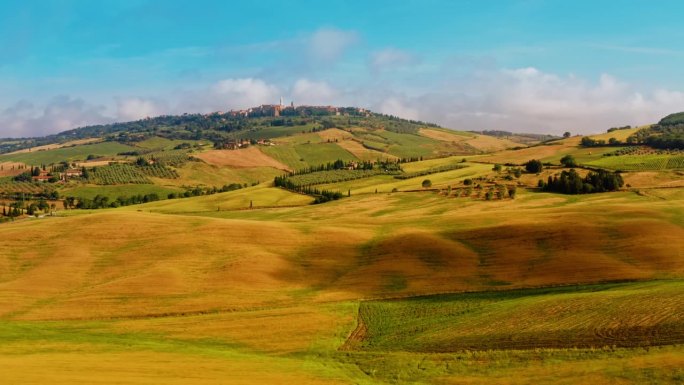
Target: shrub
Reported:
[(568, 161), (427, 183), (534, 166), (512, 191)]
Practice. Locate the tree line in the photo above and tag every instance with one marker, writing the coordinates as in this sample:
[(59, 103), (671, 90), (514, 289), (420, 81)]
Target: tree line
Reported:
[(320, 195), (104, 202), (570, 182)]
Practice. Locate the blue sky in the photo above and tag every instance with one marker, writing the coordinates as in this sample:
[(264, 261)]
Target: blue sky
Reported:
[(543, 66)]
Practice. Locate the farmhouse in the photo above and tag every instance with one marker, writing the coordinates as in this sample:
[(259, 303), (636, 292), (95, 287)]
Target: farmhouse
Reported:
[(71, 173), (44, 176)]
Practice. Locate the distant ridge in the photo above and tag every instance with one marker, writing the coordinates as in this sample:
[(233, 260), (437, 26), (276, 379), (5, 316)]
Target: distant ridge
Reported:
[(217, 126)]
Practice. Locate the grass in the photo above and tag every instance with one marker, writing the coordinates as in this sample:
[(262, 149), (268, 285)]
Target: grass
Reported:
[(68, 153), (286, 155), (159, 143), (258, 196), (408, 145), (276, 132), (200, 173), (321, 153), (640, 162), (116, 191), (205, 290), (387, 183), (301, 155), (592, 316), (620, 135)]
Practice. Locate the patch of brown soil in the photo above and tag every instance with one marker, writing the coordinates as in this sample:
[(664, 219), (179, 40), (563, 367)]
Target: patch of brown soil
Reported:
[(243, 158)]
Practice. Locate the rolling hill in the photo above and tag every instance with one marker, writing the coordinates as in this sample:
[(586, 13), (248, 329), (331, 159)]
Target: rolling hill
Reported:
[(214, 273)]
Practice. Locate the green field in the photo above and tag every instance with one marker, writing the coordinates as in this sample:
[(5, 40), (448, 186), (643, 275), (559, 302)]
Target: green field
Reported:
[(321, 153), (286, 155), (158, 143), (80, 152), (594, 316), (408, 145), (387, 183), (394, 284), (9, 186), (113, 192), (200, 173), (640, 162), (257, 196), (301, 155), (275, 132)]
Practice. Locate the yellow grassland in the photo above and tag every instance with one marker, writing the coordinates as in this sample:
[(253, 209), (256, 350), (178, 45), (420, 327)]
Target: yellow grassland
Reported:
[(242, 158), (483, 143), (57, 145), (206, 290)]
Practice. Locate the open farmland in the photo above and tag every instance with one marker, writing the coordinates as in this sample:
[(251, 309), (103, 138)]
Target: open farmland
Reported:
[(200, 173), (115, 191), (79, 152), (396, 283), (472, 141), (8, 186), (593, 316), (640, 162), (243, 158), (53, 146), (341, 192), (12, 168), (276, 296)]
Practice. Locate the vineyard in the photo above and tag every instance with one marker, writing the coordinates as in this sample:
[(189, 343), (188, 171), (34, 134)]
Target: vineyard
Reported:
[(159, 171), (640, 162), (175, 158), (640, 150), (9, 187), (429, 171), (122, 173), (333, 176), (117, 174)]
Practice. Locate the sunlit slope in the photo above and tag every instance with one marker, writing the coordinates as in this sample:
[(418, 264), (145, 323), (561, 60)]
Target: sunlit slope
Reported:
[(77, 152), (620, 135), (469, 141), (131, 263), (256, 196), (591, 316)]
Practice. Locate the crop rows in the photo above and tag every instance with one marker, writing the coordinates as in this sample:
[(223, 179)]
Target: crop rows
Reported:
[(429, 171), (333, 176), (640, 162), (174, 158), (581, 318), (641, 150), (117, 174), (11, 187), (675, 162), (159, 171)]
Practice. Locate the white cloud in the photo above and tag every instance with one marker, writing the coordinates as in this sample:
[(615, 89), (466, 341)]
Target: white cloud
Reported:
[(59, 114), (245, 92), (527, 99), (397, 107), (306, 91), (390, 58), (138, 108), (519, 99), (329, 44)]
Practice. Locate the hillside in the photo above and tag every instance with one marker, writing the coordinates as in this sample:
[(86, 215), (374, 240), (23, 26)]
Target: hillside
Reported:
[(198, 154), (359, 249)]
